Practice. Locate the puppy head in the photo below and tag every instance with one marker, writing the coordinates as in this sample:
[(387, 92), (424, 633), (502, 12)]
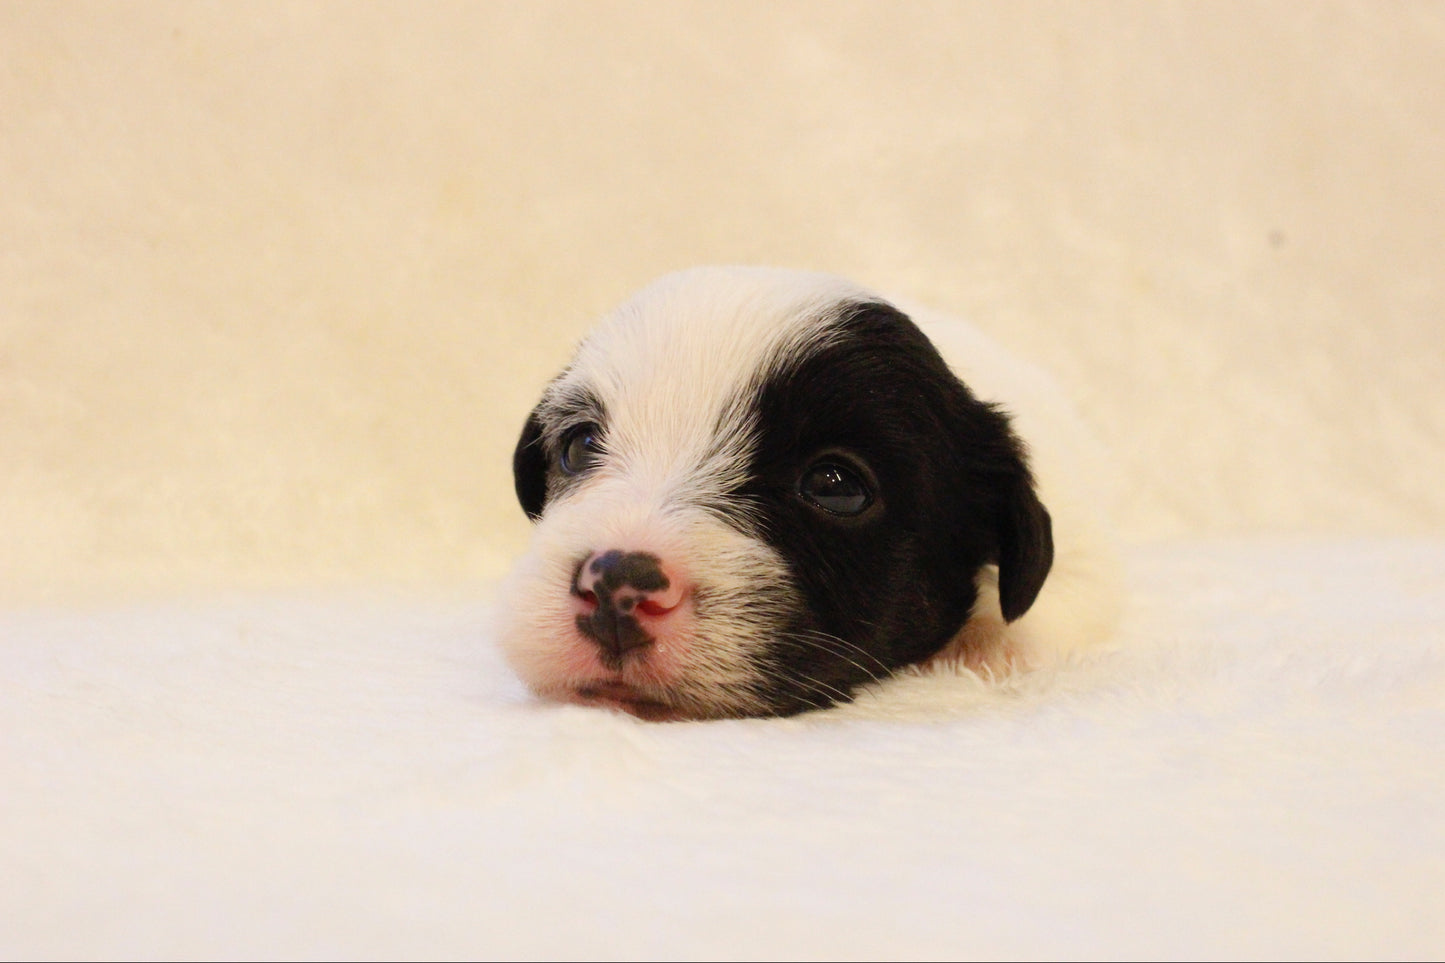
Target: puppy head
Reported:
[(754, 491)]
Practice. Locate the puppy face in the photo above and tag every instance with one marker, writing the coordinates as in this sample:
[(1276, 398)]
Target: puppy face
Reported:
[(755, 491)]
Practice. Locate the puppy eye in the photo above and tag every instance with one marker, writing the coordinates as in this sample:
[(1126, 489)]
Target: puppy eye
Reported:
[(581, 448), (835, 488)]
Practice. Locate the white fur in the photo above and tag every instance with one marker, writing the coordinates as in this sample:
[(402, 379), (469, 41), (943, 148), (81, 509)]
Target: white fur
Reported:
[(670, 367)]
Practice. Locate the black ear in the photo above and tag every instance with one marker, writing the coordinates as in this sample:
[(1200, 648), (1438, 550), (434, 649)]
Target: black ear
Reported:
[(1025, 548), (529, 468)]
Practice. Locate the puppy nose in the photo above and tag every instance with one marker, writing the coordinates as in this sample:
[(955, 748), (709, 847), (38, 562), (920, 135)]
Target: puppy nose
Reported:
[(622, 596)]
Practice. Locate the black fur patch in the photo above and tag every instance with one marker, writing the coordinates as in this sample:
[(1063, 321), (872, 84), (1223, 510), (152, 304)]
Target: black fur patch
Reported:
[(893, 585), (529, 468)]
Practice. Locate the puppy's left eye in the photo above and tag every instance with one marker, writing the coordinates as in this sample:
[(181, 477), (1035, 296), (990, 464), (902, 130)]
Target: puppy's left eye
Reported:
[(836, 488), (581, 448)]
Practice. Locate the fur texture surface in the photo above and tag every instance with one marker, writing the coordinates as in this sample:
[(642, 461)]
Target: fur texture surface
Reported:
[(758, 489), (360, 776)]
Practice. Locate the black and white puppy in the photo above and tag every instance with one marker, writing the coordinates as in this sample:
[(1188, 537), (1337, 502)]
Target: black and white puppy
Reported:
[(757, 490)]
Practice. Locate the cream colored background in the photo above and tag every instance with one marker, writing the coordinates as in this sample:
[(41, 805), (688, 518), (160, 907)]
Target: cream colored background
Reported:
[(279, 282)]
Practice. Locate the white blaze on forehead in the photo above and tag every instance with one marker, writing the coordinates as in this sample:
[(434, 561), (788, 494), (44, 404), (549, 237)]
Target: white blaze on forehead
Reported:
[(671, 364)]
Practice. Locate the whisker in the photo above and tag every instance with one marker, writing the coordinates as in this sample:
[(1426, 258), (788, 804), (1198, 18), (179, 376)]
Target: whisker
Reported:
[(779, 674), (834, 645)]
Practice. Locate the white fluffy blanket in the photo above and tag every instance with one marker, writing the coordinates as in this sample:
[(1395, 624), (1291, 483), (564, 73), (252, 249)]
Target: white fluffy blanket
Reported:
[(1257, 772)]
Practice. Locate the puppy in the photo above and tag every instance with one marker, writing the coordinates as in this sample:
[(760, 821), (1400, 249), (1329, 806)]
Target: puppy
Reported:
[(757, 490)]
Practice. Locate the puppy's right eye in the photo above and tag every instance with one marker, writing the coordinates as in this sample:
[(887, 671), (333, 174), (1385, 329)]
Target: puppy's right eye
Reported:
[(581, 448)]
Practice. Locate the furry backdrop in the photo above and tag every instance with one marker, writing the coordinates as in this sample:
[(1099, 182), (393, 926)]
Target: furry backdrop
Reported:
[(279, 281)]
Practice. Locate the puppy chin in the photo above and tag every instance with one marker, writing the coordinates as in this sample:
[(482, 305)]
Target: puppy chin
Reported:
[(627, 698)]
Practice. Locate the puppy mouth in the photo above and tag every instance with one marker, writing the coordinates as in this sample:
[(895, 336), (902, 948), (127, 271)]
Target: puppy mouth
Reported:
[(615, 694)]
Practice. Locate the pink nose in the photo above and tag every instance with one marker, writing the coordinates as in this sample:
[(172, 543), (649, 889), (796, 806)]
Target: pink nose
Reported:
[(621, 598)]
